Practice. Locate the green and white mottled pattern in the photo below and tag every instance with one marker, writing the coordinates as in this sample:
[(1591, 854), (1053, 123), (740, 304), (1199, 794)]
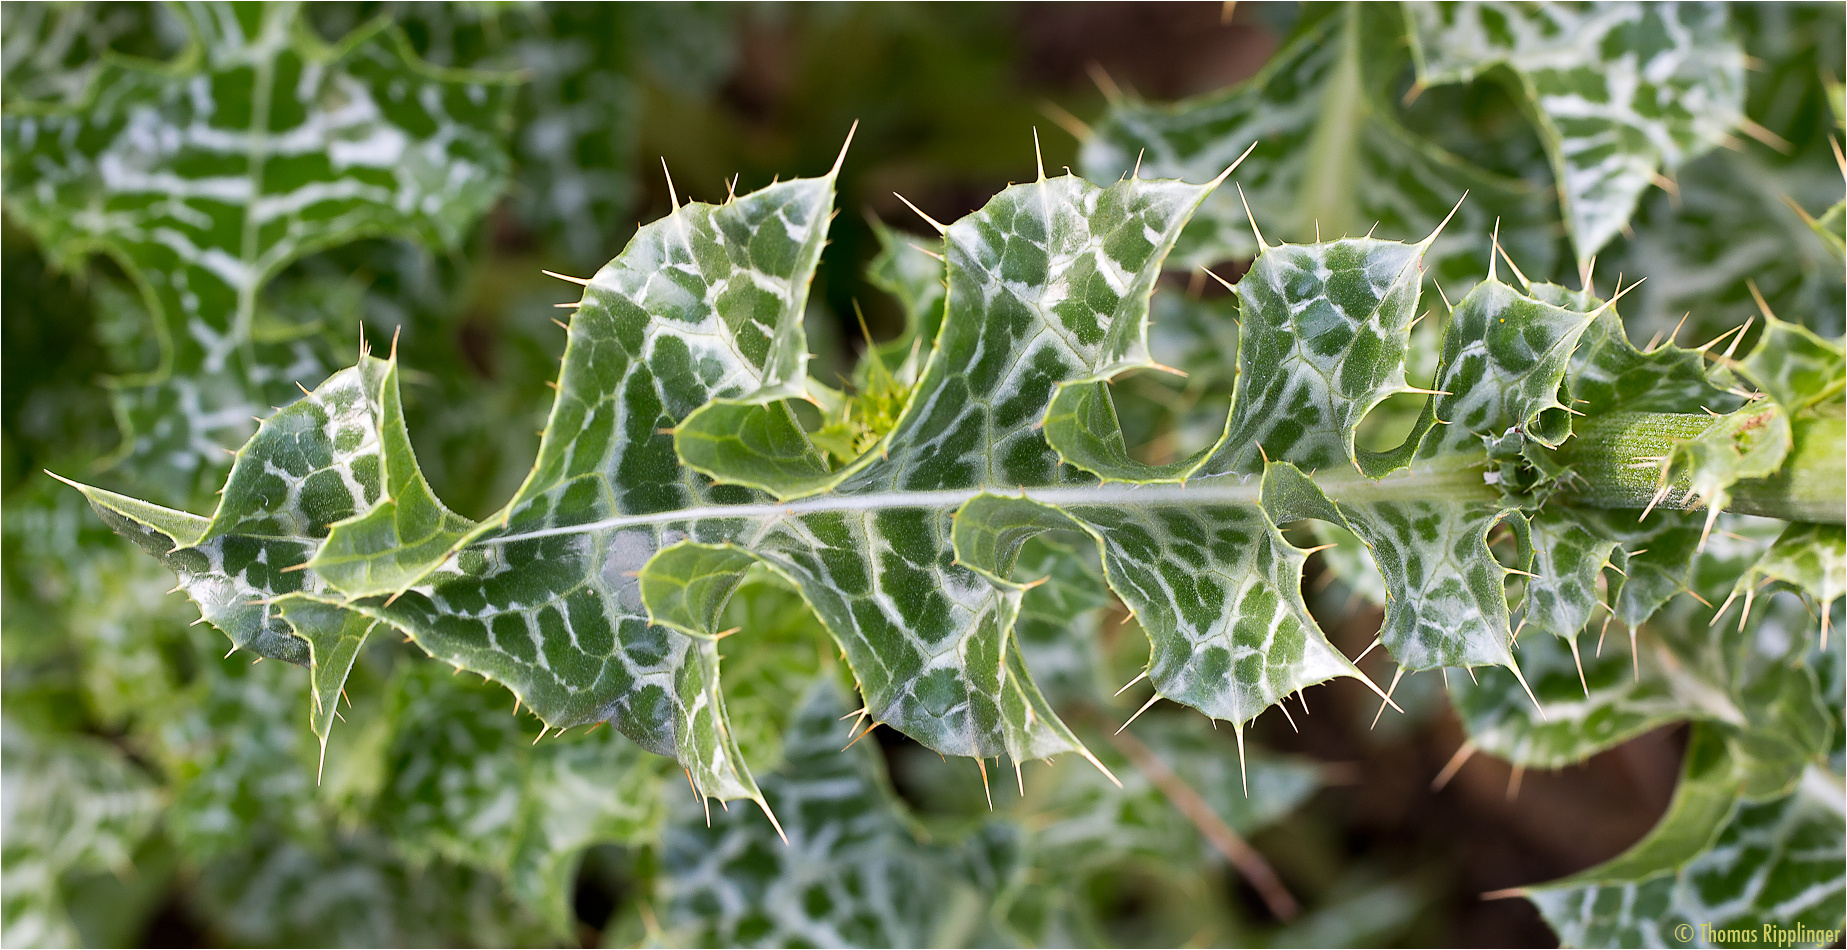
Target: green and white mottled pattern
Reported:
[(595, 595), (1717, 870), (704, 304), (353, 891), (673, 467), (1607, 707), (73, 804), (205, 177), (1216, 588), (1331, 158), (923, 636), (465, 782), (1647, 559), (853, 873), (679, 498), (1641, 563), (1725, 232), (580, 119), (583, 72), (1085, 823), (310, 465), (1609, 374), (328, 458), (1323, 341), (244, 767), (1619, 90), (1809, 558), (51, 52), (1569, 557), (1504, 357), (1749, 681)]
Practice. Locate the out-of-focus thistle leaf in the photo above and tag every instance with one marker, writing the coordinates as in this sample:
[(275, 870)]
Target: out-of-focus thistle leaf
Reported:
[(1730, 230), (1727, 229), (908, 269), (583, 69), (1808, 558), (464, 782), (355, 892), (205, 177), (52, 51), (768, 672), (853, 871), (1330, 156), (72, 803), (1618, 90), (1716, 866), (1752, 679)]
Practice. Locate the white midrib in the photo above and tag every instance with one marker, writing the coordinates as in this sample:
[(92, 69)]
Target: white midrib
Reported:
[(1346, 487), (256, 157), (1328, 199)]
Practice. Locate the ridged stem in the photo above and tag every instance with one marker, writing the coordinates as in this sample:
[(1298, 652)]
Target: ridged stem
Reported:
[(1611, 455)]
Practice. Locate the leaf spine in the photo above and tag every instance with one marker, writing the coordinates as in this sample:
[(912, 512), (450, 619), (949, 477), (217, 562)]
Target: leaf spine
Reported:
[(839, 160), (940, 227)]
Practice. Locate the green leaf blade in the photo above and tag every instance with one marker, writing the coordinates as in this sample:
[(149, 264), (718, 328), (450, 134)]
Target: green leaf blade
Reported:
[(202, 201), (1690, 880), (1330, 160), (864, 878), (1323, 339), (1619, 90)]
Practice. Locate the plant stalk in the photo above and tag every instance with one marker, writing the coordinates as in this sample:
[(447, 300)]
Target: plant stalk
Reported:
[(1611, 457), (1256, 871)]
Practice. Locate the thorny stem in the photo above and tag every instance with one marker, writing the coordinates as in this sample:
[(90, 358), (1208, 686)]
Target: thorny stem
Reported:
[(1608, 456), (1228, 842), (1603, 456)]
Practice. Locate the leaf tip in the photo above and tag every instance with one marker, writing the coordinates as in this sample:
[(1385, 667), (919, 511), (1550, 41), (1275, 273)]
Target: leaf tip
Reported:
[(77, 485)]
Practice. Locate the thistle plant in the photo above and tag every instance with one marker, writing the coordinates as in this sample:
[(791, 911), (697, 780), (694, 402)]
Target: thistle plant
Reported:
[(958, 514)]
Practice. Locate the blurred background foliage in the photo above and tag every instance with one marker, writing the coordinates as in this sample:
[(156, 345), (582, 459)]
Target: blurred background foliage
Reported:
[(157, 792)]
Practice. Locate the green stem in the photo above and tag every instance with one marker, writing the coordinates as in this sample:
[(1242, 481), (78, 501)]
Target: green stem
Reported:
[(1605, 454)]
